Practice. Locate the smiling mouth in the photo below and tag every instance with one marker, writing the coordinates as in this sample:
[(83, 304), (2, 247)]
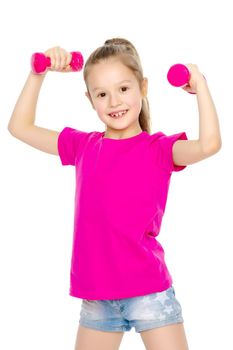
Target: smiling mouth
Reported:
[(118, 115)]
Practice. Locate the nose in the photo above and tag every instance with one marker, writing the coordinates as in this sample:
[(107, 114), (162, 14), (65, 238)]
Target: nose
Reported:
[(114, 100)]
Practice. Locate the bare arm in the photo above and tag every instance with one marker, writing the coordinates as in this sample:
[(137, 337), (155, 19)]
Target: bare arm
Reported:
[(209, 141), (22, 122)]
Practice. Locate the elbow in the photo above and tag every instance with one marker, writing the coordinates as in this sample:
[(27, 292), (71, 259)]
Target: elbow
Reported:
[(212, 148), (217, 145), (10, 129)]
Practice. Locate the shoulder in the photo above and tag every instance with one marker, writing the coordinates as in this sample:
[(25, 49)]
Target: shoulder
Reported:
[(73, 133), (162, 146), (161, 139)]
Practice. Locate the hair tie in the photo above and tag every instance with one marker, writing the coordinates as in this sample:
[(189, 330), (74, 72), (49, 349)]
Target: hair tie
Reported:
[(114, 42)]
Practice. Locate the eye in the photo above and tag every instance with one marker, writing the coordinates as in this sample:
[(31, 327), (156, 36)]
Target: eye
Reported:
[(102, 93), (124, 87)]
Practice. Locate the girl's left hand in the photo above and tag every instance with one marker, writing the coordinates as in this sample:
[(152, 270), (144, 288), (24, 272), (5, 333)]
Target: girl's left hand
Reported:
[(195, 77)]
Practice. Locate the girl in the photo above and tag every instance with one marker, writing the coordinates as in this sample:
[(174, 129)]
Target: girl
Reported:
[(122, 181)]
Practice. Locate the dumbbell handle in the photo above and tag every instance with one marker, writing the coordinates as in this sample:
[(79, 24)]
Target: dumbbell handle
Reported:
[(40, 62), (179, 75)]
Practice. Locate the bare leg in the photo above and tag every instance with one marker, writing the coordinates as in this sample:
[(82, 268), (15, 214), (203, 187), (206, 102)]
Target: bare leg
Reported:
[(171, 337), (89, 339)]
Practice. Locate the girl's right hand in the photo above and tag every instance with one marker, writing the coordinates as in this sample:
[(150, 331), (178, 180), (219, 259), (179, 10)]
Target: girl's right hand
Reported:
[(60, 59)]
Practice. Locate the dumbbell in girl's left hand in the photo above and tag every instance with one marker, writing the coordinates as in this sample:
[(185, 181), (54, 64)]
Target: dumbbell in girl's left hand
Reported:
[(185, 76)]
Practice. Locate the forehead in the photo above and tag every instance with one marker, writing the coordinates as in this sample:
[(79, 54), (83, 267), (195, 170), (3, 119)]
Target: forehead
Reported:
[(109, 72)]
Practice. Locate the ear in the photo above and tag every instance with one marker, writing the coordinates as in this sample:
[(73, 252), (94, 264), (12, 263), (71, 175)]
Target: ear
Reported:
[(144, 88), (89, 98)]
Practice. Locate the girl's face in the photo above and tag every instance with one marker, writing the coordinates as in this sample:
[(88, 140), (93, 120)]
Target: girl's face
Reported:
[(114, 88)]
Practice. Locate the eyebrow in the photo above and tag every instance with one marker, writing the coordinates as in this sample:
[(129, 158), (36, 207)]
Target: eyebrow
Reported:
[(123, 81)]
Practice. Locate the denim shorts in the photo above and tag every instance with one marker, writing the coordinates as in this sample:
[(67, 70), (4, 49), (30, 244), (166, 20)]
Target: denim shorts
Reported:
[(142, 312)]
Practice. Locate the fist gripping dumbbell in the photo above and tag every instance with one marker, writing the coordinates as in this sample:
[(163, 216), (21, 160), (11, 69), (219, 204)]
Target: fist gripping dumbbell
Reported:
[(179, 75), (40, 62)]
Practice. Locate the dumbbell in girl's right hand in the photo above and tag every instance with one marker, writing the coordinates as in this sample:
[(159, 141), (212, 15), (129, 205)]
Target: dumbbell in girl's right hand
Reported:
[(56, 59)]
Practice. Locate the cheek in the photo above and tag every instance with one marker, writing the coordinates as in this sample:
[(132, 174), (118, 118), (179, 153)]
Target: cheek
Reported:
[(136, 104), (99, 107), (134, 100), (101, 110)]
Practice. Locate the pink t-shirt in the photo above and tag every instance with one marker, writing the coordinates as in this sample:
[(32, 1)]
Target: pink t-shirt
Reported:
[(121, 193)]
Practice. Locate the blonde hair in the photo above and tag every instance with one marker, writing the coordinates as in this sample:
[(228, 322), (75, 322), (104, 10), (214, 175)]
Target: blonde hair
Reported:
[(127, 54)]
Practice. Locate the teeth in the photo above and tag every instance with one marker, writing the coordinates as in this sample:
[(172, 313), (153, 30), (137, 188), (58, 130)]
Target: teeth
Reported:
[(118, 114)]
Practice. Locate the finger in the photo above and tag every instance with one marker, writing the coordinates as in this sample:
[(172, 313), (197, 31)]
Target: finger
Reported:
[(57, 56), (49, 53), (66, 69), (52, 60), (63, 56), (63, 61), (68, 58)]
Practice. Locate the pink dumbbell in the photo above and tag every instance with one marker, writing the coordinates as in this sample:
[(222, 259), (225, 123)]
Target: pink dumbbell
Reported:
[(40, 62), (179, 75)]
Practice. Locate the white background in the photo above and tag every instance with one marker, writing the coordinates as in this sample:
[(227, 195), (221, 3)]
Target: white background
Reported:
[(37, 193)]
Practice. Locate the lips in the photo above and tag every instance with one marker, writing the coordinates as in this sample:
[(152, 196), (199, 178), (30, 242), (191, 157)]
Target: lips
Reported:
[(118, 114)]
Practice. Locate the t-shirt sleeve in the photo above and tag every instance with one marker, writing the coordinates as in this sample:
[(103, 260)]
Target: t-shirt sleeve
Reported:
[(165, 157), (70, 144)]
